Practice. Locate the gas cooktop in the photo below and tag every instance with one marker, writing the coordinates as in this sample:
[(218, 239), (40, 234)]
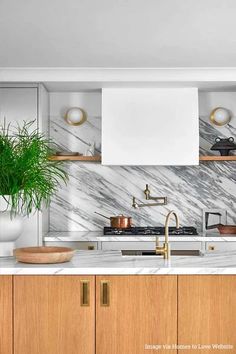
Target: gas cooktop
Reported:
[(151, 230)]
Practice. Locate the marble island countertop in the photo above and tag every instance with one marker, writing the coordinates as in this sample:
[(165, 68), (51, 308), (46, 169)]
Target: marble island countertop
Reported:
[(97, 236), (112, 262)]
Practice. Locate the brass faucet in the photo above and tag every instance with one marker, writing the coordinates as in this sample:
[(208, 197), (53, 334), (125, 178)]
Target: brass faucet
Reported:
[(165, 249)]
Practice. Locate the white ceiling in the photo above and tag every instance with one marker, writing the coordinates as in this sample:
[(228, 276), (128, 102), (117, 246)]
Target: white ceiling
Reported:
[(118, 33)]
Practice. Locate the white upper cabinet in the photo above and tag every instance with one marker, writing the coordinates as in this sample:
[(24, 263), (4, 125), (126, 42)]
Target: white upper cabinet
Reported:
[(18, 104), (150, 126)]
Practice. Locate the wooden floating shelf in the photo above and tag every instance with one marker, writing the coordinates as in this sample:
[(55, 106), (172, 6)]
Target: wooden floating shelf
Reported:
[(76, 158), (217, 158), (98, 158)]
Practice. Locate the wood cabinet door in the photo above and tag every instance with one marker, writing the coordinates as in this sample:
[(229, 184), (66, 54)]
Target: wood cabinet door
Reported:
[(6, 346), (207, 313), (135, 313), (54, 314)]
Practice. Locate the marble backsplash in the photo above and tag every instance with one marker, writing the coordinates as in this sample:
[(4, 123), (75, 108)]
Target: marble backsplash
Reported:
[(109, 189)]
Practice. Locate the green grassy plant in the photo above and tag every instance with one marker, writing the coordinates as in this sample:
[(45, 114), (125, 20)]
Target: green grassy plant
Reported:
[(27, 175)]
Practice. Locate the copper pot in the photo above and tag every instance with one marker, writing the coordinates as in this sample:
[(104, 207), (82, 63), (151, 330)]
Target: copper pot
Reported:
[(227, 229), (119, 222)]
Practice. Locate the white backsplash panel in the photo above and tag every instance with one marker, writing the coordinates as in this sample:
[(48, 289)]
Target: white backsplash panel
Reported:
[(109, 189)]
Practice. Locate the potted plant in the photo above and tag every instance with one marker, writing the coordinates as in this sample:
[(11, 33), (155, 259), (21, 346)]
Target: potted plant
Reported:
[(28, 179)]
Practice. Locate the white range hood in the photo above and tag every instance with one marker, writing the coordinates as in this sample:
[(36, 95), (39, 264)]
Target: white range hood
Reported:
[(150, 126)]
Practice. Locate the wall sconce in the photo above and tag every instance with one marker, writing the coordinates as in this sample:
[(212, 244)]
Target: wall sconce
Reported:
[(75, 116), (220, 116)]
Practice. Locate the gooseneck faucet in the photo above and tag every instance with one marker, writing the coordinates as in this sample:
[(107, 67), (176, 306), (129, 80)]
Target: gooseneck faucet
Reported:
[(165, 249)]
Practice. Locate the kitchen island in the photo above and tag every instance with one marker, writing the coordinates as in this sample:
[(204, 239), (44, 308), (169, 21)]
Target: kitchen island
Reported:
[(105, 303)]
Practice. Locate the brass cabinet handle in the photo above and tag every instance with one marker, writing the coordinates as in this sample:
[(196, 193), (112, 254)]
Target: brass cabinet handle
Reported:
[(105, 293), (211, 248), (84, 292), (90, 248)]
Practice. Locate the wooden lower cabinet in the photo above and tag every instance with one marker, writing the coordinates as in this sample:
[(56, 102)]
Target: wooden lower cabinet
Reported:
[(49, 317), (135, 311), (133, 314), (207, 313), (6, 338)]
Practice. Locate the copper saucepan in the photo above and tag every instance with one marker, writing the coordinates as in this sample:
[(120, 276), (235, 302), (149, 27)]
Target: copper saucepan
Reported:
[(120, 221), (227, 229)]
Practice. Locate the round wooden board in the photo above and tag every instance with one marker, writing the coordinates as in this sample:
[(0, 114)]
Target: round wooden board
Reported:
[(44, 255)]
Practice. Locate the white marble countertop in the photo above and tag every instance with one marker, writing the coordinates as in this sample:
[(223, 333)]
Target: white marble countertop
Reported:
[(112, 262), (97, 236)]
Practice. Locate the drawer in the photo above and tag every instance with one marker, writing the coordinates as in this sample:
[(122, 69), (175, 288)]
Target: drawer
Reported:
[(132, 245), (186, 245), (149, 245), (220, 246), (79, 245)]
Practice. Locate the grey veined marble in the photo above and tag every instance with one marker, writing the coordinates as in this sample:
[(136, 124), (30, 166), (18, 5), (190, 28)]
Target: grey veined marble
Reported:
[(109, 189), (112, 262)]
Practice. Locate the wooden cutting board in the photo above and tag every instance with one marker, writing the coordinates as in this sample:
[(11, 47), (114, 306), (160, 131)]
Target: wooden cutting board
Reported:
[(43, 255)]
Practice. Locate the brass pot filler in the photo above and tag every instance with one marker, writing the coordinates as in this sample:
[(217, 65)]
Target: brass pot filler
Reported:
[(165, 249)]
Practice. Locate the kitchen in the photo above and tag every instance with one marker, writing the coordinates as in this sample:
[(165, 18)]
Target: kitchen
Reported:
[(148, 210)]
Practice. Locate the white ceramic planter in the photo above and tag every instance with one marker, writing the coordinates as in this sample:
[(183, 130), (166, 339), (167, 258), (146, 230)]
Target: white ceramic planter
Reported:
[(11, 227)]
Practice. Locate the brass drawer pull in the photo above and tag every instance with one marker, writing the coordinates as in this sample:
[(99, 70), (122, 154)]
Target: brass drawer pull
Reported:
[(211, 248), (105, 293), (84, 292)]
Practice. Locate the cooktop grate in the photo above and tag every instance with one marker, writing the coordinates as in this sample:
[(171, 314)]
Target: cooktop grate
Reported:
[(151, 230)]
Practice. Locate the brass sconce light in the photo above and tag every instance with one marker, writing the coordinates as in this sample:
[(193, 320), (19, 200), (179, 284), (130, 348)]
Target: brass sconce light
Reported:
[(75, 116)]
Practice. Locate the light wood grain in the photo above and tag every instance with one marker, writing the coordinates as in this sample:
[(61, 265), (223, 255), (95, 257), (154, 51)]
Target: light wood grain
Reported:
[(98, 158), (49, 318), (6, 333), (41, 255), (207, 311), (217, 158), (76, 158), (142, 310)]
